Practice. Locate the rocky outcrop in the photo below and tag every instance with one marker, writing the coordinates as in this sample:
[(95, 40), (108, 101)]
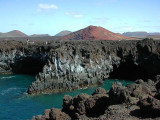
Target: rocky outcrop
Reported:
[(69, 65), (52, 114), (150, 106), (6, 59), (83, 64), (83, 104), (134, 102), (73, 66), (20, 57)]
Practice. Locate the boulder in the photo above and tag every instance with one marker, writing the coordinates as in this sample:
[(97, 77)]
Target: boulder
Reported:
[(118, 94), (67, 102), (119, 112), (150, 106), (57, 114), (46, 113), (38, 117), (99, 91)]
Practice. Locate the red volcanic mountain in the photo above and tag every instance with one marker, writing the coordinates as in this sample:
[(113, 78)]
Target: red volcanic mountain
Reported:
[(94, 33)]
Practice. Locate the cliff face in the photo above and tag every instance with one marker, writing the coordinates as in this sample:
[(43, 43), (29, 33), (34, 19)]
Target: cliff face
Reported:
[(74, 65), (68, 65)]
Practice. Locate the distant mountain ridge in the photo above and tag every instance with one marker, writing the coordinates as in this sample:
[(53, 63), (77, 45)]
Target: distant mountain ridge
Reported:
[(14, 33), (39, 35), (154, 36), (88, 33), (63, 33), (17, 33), (139, 34), (95, 33)]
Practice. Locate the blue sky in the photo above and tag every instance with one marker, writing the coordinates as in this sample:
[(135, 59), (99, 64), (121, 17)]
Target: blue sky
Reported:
[(53, 16)]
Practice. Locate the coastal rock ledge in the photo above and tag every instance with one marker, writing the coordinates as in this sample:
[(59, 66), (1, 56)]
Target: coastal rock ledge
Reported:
[(137, 101), (67, 65)]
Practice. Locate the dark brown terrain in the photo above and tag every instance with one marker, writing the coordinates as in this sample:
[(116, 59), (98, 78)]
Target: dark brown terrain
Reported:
[(137, 101), (24, 39), (156, 37)]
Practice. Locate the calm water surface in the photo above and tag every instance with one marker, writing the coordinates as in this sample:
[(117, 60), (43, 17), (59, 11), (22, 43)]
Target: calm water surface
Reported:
[(15, 104)]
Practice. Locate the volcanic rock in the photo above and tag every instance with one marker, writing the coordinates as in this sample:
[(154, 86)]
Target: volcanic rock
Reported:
[(150, 107), (100, 106), (56, 114), (118, 94), (67, 65)]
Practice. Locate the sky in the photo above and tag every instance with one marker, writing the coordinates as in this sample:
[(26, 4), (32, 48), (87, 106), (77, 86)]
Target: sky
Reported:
[(53, 16)]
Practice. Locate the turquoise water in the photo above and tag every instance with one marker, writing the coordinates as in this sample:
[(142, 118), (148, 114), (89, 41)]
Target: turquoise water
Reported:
[(15, 104)]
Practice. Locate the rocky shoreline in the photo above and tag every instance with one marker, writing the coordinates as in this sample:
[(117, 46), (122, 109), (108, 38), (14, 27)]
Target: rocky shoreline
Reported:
[(140, 100), (67, 65)]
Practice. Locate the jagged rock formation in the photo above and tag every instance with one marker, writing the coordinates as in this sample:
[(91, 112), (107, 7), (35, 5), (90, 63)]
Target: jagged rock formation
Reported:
[(73, 66), (134, 102), (95, 33), (68, 65)]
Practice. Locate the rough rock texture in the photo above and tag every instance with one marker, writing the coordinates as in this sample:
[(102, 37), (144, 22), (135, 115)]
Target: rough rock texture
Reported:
[(133, 102), (95, 33), (150, 106), (82, 64), (52, 114), (73, 66), (68, 65)]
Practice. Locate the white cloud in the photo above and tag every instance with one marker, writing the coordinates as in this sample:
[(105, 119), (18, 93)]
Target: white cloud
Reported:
[(46, 7), (74, 14)]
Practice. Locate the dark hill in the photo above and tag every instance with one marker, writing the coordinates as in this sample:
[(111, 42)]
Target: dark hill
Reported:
[(14, 33)]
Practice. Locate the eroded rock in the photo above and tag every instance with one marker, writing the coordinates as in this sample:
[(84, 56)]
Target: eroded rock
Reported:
[(130, 102)]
